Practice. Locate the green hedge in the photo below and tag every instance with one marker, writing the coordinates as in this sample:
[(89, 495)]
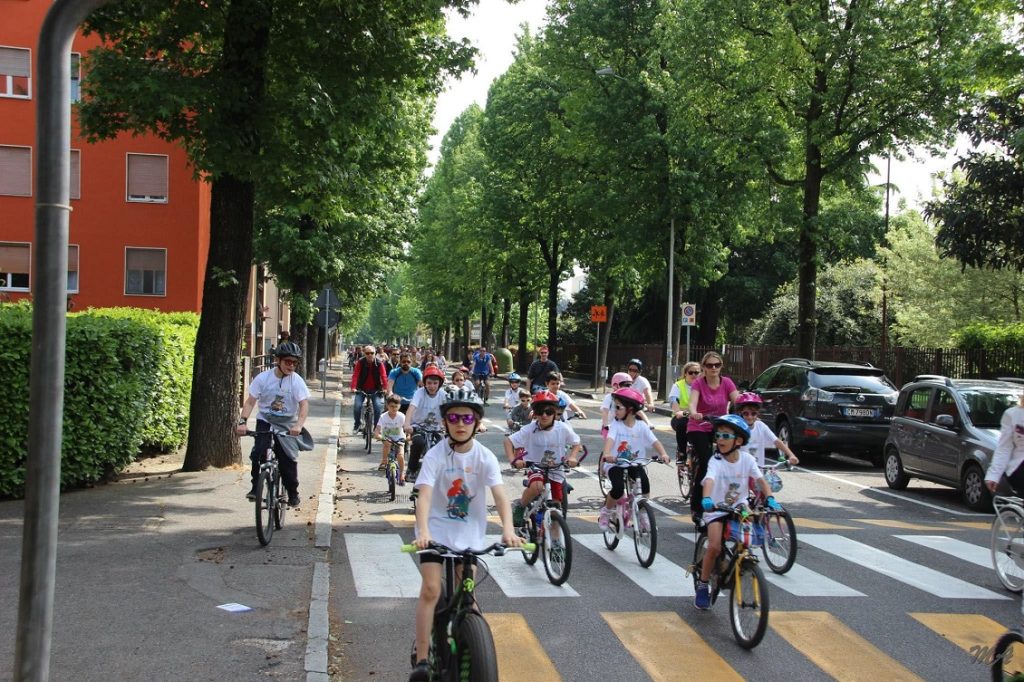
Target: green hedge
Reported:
[(127, 384), (1007, 337)]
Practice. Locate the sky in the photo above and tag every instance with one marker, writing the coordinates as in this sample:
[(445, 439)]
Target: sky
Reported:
[(492, 28)]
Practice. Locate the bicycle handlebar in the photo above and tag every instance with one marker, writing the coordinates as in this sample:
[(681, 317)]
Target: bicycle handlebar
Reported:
[(498, 549)]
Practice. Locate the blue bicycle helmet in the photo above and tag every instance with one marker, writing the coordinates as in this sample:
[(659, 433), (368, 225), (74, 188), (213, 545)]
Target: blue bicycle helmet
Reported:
[(737, 423), (562, 403), (514, 377)]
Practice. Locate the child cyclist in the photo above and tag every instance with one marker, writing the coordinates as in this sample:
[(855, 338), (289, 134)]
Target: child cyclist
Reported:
[(628, 441), (452, 508), (748, 406), (511, 394), (389, 428), (520, 414), (730, 471), (424, 414), (546, 441), (619, 380)]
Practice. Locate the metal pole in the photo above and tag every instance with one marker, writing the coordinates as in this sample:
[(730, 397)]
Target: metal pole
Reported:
[(668, 312), (46, 384), (687, 343), (597, 357)]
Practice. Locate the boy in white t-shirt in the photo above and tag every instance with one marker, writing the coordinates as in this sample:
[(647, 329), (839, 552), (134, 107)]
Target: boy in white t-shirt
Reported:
[(452, 507), (748, 406), (389, 429), (730, 471), (511, 395)]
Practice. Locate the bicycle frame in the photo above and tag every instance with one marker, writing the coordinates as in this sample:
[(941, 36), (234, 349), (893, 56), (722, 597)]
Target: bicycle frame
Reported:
[(634, 494)]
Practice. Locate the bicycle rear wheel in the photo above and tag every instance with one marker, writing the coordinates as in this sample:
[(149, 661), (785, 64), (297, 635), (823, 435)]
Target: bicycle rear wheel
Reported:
[(748, 604), (476, 658), (1008, 657), (779, 546), (611, 536), (265, 507), (602, 479), (645, 534), (1008, 548), (557, 548), (685, 481)]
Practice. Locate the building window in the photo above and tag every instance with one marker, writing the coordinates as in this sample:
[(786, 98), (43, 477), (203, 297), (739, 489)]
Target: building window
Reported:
[(145, 272), (72, 268), (16, 171), (15, 72), (147, 178), (76, 174), (14, 266), (76, 77)]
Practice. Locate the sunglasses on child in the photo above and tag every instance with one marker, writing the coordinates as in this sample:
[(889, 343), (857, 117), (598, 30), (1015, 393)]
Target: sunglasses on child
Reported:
[(548, 411), (693, 372), (725, 436), (454, 418)]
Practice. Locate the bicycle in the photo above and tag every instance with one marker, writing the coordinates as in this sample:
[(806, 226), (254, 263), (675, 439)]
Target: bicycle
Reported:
[(461, 644), (779, 547), (737, 570), (271, 497), (367, 417), (541, 519), (634, 512), (431, 438), (391, 468), (685, 472), (1007, 543)]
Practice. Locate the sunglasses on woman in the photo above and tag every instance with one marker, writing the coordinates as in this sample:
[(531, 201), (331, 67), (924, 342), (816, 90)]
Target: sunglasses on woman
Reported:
[(712, 365), (454, 418), (725, 436)]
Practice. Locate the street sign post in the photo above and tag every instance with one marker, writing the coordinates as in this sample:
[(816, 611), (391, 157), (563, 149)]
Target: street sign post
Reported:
[(689, 319), (326, 317), (598, 314)]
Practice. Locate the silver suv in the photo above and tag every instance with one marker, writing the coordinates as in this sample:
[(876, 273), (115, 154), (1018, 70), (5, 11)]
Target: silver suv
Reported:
[(945, 430)]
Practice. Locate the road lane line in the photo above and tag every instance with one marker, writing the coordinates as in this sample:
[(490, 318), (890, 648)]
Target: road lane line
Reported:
[(379, 569), (898, 568), (904, 525), (521, 656), (971, 632), (841, 653), (976, 554), (816, 524), (663, 579), (667, 648), (889, 493)]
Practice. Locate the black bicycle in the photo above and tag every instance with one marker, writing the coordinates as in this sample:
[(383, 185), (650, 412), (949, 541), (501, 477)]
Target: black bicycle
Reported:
[(461, 644), (391, 468), (431, 437), (367, 417), (271, 497)]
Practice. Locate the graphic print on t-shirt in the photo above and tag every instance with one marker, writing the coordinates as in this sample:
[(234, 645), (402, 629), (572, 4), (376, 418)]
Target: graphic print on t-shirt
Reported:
[(732, 496), (623, 452), (277, 406), (459, 498)]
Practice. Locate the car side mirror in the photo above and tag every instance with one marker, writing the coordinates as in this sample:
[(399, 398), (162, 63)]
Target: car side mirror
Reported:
[(946, 421)]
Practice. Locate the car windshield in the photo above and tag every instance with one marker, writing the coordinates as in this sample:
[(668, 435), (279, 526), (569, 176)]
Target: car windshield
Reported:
[(843, 381), (986, 407)]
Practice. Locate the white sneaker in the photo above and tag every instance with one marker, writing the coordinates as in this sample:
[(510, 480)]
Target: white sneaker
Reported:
[(602, 520)]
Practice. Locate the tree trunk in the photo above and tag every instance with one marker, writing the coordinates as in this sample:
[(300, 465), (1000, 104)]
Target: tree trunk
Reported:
[(552, 340), (215, 370), (606, 334), (506, 313), (466, 339), (807, 322), (522, 359)]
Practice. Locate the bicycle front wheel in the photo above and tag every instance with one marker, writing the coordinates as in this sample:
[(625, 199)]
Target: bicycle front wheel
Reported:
[(392, 479), (779, 541), (265, 503), (1008, 548), (557, 547), (748, 604), (531, 530), (1008, 657), (280, 501), (477, 660), (368, 426), (645, 534)]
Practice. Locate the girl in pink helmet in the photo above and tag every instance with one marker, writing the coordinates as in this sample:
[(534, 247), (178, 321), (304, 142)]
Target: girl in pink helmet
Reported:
[(619, 380), (748, 406)]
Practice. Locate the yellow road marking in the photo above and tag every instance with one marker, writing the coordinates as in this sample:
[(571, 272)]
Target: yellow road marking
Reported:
[(520, 654), (972, 632), (893, 523), (400, 520), (645, 635), (980, 525), (820, 525), (586, 517), (833, 653)]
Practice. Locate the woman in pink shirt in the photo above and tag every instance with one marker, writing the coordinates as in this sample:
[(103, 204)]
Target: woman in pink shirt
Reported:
[(710, 396)]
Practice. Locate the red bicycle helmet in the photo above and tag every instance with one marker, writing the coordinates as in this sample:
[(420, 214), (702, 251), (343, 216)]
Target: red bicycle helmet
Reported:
[(433, 371), (541, 398)]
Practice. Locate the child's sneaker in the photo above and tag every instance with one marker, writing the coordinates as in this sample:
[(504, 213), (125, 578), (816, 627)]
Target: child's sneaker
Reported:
[(703, 598), (518, 512), (602, 519)]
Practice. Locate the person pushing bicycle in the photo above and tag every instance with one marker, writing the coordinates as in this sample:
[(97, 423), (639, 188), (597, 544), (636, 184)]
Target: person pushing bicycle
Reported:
[(452, 508), (283, 400), (727, 482)]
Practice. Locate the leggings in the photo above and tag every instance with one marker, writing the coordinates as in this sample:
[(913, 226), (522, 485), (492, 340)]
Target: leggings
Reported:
[(617, 476), (679, 426), (701, 441)]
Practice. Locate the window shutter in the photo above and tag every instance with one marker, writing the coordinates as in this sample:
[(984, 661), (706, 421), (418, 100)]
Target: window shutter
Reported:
[(144, 259), (15, 62), (147, 176), (14, 258), (16, 171), (76, 174)]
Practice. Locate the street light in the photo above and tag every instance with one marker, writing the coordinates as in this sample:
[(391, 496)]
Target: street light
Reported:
[(663, 388)]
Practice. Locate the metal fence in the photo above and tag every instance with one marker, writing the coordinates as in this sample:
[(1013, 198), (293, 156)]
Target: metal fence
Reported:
[(744, 363)]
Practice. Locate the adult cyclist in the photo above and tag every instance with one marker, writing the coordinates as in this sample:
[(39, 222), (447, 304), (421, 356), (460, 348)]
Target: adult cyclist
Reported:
[(404, 380), (368, 376), (483, 366)]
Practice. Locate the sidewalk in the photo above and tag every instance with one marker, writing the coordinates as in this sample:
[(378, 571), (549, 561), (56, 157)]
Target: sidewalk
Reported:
[(142, 565)]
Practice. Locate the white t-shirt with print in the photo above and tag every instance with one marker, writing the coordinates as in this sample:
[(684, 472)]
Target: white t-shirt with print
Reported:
[(546, 447), (511, 398), (761, 438), (630, 443), (428, 409), (391, 427), (732, 480), (458, 505), (278, 397), (641, 384)]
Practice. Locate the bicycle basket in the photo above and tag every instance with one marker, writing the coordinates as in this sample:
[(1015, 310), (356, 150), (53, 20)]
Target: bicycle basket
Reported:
[(774, 480), (749, 533)]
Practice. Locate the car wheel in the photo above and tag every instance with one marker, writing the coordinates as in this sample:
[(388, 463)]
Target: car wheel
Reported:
[(895, 477), (785, 434), (972, 487)]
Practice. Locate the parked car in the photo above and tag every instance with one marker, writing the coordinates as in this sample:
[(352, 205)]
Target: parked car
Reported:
[(945, 430), (823, 407)]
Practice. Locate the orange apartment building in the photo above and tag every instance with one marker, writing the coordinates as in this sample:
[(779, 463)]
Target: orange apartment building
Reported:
[(140, 222)]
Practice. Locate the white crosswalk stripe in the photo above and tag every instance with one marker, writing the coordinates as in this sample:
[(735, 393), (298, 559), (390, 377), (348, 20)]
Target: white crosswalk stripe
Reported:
[(518, 579), (898, 568), (663, 579), (977, 555), (378, 567)]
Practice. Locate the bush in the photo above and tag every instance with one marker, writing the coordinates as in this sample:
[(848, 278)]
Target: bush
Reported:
[(127, 383), (1008, 337)]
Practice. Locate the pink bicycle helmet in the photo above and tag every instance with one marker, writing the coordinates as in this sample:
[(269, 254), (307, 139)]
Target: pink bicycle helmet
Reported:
[(619, 377), (629, 398), (748, 398)]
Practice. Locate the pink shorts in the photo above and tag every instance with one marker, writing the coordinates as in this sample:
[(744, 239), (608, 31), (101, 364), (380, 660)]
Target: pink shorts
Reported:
[(556, 486)]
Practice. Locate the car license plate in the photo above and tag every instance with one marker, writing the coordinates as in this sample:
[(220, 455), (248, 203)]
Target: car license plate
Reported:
[(859, 412)]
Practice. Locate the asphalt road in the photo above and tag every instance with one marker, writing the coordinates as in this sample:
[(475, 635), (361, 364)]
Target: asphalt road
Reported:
[(887, 585)]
